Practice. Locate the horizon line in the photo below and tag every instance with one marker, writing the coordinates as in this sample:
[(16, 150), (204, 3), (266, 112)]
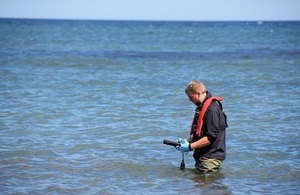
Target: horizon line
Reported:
[(146, 20)]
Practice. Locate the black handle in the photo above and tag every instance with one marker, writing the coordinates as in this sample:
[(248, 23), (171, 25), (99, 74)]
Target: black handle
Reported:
[(171, 143)]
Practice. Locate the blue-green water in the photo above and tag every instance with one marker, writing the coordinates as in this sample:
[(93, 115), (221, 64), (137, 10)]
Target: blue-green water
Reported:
[(85, 106)]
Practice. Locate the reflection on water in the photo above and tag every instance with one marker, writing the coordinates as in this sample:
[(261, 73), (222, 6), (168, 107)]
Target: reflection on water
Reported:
[(210, 183)]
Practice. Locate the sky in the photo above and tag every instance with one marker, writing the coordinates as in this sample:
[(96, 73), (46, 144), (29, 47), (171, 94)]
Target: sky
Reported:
[(166, 10)]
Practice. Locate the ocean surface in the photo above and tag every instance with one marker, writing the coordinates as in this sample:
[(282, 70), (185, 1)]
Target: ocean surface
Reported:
[(85, 106)]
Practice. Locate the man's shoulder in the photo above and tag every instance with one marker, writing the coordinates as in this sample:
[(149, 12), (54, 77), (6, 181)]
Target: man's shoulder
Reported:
[(215, 106)]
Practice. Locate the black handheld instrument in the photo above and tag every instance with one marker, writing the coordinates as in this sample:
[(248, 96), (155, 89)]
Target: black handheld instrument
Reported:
[(176, 144)]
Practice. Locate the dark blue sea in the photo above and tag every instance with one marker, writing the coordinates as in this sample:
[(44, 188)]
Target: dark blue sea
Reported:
[(85, 106)]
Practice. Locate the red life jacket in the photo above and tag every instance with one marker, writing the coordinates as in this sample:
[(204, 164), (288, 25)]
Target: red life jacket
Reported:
[(201, 115)]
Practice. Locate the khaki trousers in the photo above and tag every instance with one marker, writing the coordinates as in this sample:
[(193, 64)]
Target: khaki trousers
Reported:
[(205, 165)]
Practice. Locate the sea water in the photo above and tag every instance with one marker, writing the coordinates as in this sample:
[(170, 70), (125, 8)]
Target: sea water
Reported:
[(86, 105)]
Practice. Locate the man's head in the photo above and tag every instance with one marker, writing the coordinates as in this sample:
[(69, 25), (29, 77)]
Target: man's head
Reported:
[(196, 92)]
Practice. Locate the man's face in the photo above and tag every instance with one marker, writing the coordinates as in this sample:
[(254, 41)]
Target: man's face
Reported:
[(195, 98)]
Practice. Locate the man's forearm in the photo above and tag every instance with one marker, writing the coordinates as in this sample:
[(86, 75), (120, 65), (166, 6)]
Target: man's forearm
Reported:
[(204, 141)]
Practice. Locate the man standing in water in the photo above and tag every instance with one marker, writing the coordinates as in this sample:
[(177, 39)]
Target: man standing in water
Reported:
[(207, 134)]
